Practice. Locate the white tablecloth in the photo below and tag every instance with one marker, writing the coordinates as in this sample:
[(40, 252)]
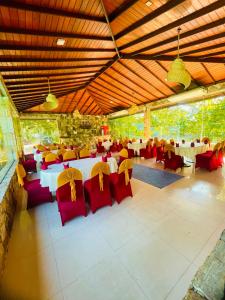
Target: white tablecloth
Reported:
[(136, 146), (38, 156), (49, 177), (107, 145), (189, 152)]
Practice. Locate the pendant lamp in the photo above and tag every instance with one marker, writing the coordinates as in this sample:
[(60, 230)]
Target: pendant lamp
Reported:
[(51, 100), (177, 72)]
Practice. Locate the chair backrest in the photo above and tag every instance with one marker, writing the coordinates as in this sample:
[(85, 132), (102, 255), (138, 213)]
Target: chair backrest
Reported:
[(70, 154), (61, 151), (123, 153), (84, 153), (21, 174), (206, 140), (44, 154), (169, 149), (41, 148), (51, 157), (217, 148), (53, 147), (124, 167), (69, 175), (100, 168)]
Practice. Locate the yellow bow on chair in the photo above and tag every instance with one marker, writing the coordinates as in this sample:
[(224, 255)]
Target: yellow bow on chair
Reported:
[(217, 148), (99, 169), (21, 173), (124, 153), (69, 176), (124, 167), (169, 148)]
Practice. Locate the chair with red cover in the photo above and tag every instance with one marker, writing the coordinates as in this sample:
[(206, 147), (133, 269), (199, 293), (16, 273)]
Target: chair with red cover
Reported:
[(119, 147), (130, 153), (100, 148), (171, 160), (51, 159), (113, 147), (69, 155), (97, 190), (84, 153), (159, 154), (210, 160), (36, 193), (120, 182), (60, 153), (123, 155), (69, 194), (29, 163)]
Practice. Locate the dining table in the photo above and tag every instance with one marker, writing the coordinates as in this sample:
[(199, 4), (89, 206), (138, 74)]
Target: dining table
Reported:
[(48, 177), (137, 146)]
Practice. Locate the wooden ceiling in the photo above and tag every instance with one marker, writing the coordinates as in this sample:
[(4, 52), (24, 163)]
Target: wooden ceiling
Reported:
[(87, 73)]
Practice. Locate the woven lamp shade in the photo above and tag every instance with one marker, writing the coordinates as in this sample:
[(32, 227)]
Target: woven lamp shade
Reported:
[(178, 73)]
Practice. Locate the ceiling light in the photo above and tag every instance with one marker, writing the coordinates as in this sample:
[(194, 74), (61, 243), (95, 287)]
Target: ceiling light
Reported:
[(148, 3), (60, 42), (111, 102)]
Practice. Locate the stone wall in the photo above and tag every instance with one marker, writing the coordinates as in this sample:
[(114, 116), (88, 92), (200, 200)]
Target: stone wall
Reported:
[(7, 211)]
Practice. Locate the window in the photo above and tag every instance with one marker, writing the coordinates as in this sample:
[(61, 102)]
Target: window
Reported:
[(8, 149)]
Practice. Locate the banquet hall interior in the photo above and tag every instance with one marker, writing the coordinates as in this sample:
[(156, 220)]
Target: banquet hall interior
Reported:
[(112, 150)]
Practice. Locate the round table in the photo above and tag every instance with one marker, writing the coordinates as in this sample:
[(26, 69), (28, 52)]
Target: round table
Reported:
[(190, 152), (136, 146), (48, 178), (38, 156)]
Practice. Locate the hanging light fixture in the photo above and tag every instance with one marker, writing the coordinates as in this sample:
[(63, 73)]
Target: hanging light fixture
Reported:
[(51, 100), (177, 71)]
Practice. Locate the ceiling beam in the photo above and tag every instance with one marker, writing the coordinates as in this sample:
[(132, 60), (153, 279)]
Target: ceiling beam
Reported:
[(38, 68), (207, 71), (202, 49), (154, 14), (196, 14), (45, 75), (121, 9), (171, 58), (11, 82), (54, 34), (185, 35), (50, 11), (52, 49), (40, 59)]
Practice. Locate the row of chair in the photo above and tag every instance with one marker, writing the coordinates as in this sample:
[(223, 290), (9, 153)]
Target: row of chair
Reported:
[(72, 195)]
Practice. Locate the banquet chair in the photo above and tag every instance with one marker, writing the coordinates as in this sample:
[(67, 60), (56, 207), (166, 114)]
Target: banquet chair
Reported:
[(120, 186), (159, 154), (69, 195), (44, 154), (123, 154), (60, 153), (171, 160), (41, 148), (29, 163), (84, 153), (69, 155), (210, 160), (113, 148), (97, 190), (53, 147), (119, 147), (36, 193), (51, 159), (206, 140), (100, 148)]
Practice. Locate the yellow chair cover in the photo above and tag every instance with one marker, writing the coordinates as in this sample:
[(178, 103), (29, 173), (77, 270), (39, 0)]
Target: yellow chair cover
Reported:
[(169, 148), (217, 148), (124, 167), (61, 151), (133, 140), (162, 142), (206, 139), (41, 148), (44, 154), (99, 169), (84, 152), (70, 154), (124, 153), (51, 157), (68, 176), (21, 173), (53, 147)]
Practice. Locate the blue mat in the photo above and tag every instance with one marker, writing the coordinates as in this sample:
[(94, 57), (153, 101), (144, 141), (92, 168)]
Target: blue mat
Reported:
[(154, 177)]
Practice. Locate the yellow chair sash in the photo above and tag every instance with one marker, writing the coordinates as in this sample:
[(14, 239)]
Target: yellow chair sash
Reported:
[(217, 148), (84, 153), (69, 176), (51, 157), (21, 173), (61, 151), (99, 169), (70, 154), (133, 140), (169, 148), (41, 148), (44, 154), (124, 167), (53, 147), (124, 153)]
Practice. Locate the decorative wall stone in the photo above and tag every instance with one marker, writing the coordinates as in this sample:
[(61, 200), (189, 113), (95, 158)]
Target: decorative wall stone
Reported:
[(7, 211)]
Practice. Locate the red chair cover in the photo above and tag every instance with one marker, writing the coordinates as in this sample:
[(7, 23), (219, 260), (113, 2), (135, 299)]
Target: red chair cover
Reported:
[(69, 209), (100, 149), (209, 160), (94, 196), (130, 153), (30, 165), (159, 154), (113, 148), (175, 162), (119, 147), (119, 190)]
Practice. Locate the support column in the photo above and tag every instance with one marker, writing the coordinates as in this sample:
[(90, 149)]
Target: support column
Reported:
[(147, 122)]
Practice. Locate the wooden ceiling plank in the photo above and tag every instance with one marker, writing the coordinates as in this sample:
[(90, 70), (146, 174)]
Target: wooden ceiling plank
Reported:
[(43, 59), (50, 11), (154, 14), (21, 89), (207, 71), (196, 14), (121, 9), (202, 49), (102, 102), (54, 34), (12, 82)]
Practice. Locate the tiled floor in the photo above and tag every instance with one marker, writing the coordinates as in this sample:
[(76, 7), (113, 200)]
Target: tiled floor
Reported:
[(148, 247)]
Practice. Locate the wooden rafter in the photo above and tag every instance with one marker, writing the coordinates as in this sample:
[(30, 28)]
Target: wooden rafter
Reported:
[(121, 9), (202, 49), (12, 82), (154, 14), (207, 71), (41, 59), (196, 14), (20, 88), (42, 68), (50, 11)]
